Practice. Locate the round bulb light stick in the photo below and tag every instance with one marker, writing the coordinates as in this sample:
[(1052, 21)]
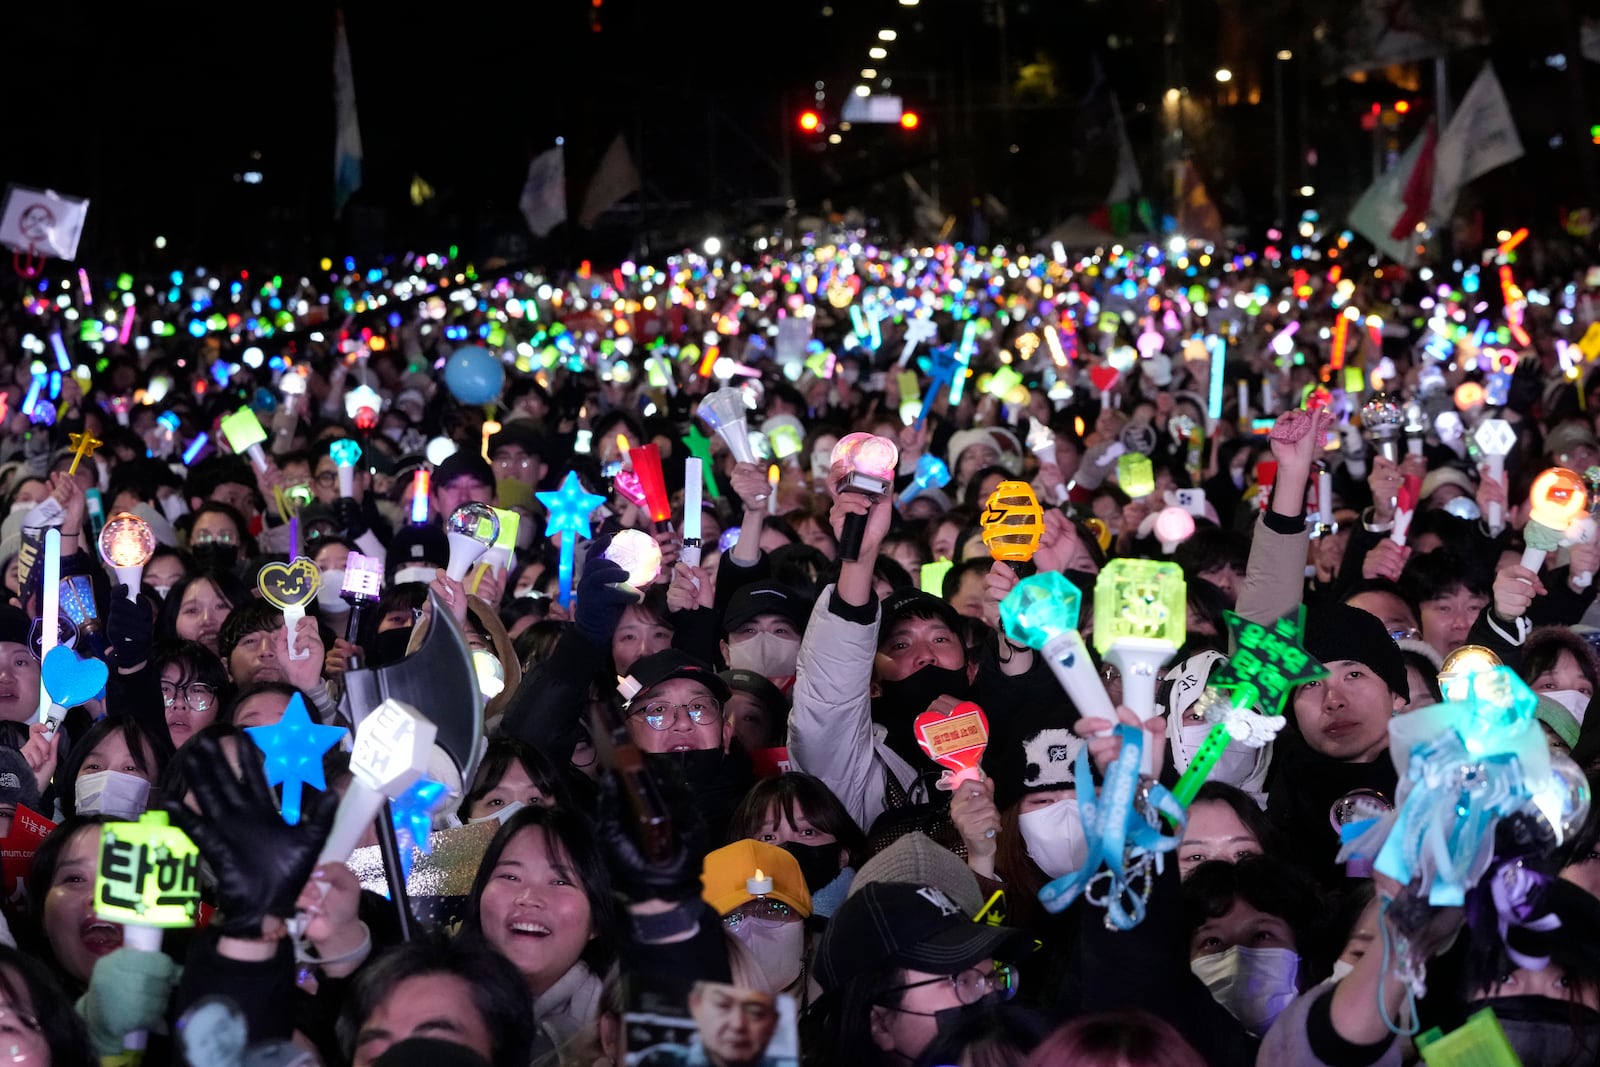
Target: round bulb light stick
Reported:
[(126, 544), (872, 462), (1041, 612), (1173, 526), (637, 553), (1383, 420), (1495, 440), (1559, 500), (1140, 613), (725, 412), (471, 529), (345, 454)]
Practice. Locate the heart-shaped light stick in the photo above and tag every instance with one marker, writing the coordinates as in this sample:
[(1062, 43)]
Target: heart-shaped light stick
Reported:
[(289, 587)]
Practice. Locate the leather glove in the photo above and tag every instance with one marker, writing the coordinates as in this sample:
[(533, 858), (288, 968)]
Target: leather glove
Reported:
[(350, 517), (261, 862), (603, 595), (128, 991), (130, 629), (635, 878)]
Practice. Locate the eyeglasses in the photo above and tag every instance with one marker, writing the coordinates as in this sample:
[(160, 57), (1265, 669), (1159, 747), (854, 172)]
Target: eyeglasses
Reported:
[(972, 984), (326, 478), (659, 715), (197, 695), (760, 908), (218, 537), (507, 463), (1406, 635)]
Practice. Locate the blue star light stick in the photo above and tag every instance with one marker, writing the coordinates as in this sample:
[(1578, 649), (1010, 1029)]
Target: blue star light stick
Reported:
[(569, 508), (943, 369), (294, 747), (413, 819)]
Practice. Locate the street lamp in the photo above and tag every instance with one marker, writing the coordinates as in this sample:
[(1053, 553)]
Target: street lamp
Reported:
[(1224, 75)]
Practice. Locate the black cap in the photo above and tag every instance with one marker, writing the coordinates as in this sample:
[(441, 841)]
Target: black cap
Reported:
[(463, 462), (765, 598), (915, 926), (911, 601), (759, 686), (521, 433), (429, 1052), (417, 545), (650, 671), (14, 622), (1341, 632)]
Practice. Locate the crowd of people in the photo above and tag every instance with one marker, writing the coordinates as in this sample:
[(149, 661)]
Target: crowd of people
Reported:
[(711, 778)]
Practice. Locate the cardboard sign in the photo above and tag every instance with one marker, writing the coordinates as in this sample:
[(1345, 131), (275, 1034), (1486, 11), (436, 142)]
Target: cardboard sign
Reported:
[(149, 874), (28, 831), (42, 222)]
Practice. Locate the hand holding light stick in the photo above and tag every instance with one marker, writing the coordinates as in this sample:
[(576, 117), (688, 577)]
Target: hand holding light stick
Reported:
[(1139, 616), (245, 436), (1041, 612), (471, 529), (692, 516), (345, 454), (872, 462), (1559, 499), (568, 509), (725, 412), (126, 544), (637, 553), (362, 588), (289, 587), (389, 755), (1495, 440), (1405, 506)]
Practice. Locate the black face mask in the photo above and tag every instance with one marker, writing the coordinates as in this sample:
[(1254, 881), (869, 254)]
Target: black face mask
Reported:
[(952, 1020), (819, 864), (1545, 1032), (1084, 580), (699, 768), (216, 556), (388, 647), (901, 702)]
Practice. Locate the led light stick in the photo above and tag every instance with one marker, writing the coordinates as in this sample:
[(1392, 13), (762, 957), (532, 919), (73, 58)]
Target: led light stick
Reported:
[(1139, 616), (1041, 612), (51, 614), (1382, 418), (419, 497), (1558, 500), (1042, 443), (362, 587), (1104, 379), (568, 509), (772, 488), (1012, 523), (83, 444), (289, 587), (637, 553), (725, 412), (345, 453), (955, 741), (245, 436), (126, 544), (931, 473), (1416, 428), (871, 461), (389, 755), (147, 879), (646, 460), (920, 329), (1325, 522), (1495, 440), (692, 515), (1405, 506), (944, 371), (471, 529), (294, 747), (1172, 526), (1135, 475)]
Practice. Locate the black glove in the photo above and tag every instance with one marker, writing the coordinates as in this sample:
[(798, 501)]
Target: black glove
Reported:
[(261, 862), (603, 595), (635, 878), (130, 629), (350, 517)]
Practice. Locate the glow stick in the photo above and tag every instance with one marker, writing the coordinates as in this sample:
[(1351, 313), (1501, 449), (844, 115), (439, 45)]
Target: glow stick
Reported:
[(772, 489), (470, 529), (50, 622), (1559, 499), (419, 497), (692, 514), (127, 327), (1325, 498), (244, 435), (126, 544), (83, 444), (63, 360), (568, 509)]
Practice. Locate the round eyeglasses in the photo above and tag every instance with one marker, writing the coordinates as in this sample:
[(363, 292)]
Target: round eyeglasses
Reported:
[(197, 695), (660, 714), (972, 984)]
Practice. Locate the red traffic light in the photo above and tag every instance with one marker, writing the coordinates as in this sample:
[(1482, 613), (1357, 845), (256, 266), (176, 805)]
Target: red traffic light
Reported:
[(910, 120), (810, 121)]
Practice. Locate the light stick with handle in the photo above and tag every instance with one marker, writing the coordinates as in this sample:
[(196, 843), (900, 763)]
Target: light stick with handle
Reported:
[(126, 544), (390, 754), (872, 461), (725, 412), (245, 436), (289, 587), (49, 629), (1139, 616), (471, 529), (1042, 443), (1559, 500), (646, 462), (147, 878), (1012, 524), (931, 473), (362, 588), (569, 509), (1405, 506), (637, 553), (345, 454), (1495, 440), (955, 741), (1041, 612), (692, 517)]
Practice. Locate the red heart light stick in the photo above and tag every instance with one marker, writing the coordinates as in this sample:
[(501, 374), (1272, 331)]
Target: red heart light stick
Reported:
[(1105, 379), (955, 741)]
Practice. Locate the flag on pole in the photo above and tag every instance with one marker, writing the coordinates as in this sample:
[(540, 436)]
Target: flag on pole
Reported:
[(1480, 137), (615, 178), (1379, 213), (347, 141), (544, 194)]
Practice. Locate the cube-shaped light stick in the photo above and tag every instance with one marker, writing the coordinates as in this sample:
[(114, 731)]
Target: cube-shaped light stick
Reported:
[(1140, 609), (389, 754)]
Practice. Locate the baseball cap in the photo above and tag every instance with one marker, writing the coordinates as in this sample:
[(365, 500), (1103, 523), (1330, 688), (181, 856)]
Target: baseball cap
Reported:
[(1440, 477), (17, 783), (650, 671), (417, 546), (758, 686), (912, 601), (1566, 437), (765, 598), (916, 858), (464, 462), (518, 432), (915, 926), (727, 870)]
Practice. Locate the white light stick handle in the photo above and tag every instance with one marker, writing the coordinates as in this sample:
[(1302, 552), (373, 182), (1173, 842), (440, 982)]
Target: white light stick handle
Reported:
[(140, 939), (1402, 523), (258, 457), (51, 621), (693, 486), (358, 809), (1244, 401), (1414, 445), (1497, 514), (130, 577), (1325, 497), (1069, 661), (347, 481), (1533, 558), (464, 552), (1139, 660), (291, 618)]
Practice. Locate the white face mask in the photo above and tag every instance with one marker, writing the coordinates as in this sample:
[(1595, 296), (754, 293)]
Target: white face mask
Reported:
[(1570, 699), (777, 947), (113, 793), (502, 815), (1054, 837), (162, 590), (1236, 764), (768, 655), (328, 598), (1254, 984)]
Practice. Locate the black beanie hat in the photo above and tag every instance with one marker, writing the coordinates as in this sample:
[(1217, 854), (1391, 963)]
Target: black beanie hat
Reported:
[(1341, 632), (14, 625)]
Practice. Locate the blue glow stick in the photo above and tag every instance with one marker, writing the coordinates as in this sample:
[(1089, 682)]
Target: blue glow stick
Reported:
[(63, 360), (32, 398), (1218, 351), (958, 381), (194, 449)]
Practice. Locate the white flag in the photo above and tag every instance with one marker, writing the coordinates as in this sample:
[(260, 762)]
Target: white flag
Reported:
[(615, 178), (1480, 137), (42, 222), (347, 138), (544, 194), (1382, 205)]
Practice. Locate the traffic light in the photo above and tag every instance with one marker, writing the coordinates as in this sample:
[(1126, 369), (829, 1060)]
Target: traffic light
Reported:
[(910, 120), (810, 121)]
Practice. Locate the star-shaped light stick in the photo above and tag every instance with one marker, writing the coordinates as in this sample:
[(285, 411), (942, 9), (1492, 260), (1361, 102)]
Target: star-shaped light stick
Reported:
[(83, 444), (294, 747), (413, 820), (569, 508)]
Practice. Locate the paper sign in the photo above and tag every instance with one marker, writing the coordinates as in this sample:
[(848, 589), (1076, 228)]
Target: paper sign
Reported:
[(42, 222), (149, 874)]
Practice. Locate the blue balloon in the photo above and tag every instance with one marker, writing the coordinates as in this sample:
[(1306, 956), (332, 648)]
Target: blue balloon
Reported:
[(473, 376)]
